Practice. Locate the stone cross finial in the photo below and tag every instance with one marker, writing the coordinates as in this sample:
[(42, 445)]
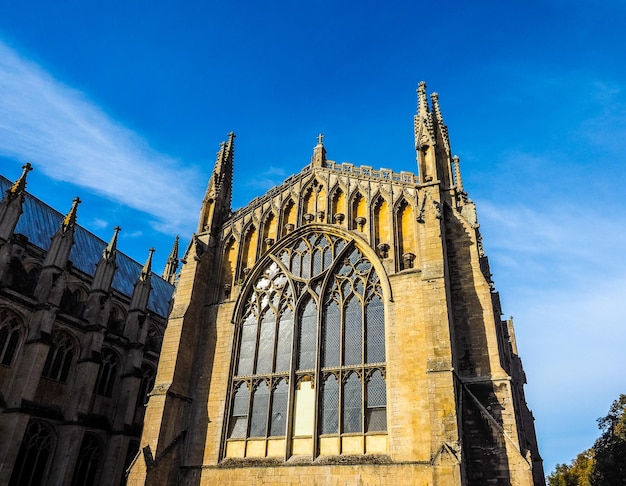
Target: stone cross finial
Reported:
[(320, 137)]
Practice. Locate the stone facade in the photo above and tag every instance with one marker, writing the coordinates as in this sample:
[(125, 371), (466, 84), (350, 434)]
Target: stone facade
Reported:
[(81, 326), (341, 329)]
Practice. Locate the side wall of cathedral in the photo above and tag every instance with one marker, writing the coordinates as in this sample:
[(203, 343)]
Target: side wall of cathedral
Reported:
[(81, 327)]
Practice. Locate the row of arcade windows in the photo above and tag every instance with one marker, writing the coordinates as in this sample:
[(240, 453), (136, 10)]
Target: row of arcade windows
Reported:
[(62, 354), (37, 450), (310, 345)]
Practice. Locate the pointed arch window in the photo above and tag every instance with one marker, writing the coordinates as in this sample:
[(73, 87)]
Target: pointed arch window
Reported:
[(107, 375), (310, 347), (33, 458), (10, 336), (60, 357), (88, 460)]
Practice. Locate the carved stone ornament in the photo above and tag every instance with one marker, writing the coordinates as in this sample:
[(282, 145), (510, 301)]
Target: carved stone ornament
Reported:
[(383, 250), (339, 217), (408, 258), (289, 227), (308, 217), (361, 222)]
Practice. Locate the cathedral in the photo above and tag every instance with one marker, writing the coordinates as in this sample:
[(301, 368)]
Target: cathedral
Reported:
[(341, 329), (81, 326)]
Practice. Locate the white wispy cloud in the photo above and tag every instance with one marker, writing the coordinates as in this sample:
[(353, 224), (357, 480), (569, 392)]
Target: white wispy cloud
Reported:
[(69, 138)]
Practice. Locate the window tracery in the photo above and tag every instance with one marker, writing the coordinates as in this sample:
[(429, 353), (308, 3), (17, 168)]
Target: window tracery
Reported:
[(313, 315)]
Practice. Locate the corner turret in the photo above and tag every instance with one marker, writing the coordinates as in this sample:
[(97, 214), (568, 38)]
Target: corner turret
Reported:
[(431, 141)]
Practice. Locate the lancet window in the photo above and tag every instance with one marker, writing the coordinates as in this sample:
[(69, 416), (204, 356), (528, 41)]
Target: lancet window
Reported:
[(310, 346), (107, 375), (10, 336)]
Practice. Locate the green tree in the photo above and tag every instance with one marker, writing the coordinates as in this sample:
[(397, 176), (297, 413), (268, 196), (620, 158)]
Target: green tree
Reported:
[(610, 447), (578, 473)]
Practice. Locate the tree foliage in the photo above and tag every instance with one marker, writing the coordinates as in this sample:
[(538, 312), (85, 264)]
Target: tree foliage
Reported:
[(605, 463), (610, 447), (578, 473)]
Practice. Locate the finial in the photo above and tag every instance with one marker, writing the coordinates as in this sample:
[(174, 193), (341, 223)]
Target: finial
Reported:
[(70, 218), (422, 102), (20, 184), (320, 137)]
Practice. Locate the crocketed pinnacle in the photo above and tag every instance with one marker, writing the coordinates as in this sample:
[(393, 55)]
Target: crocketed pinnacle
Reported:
[(20, 185), (146, 271), (169, 272), (111, 248), (443, 129), (70, 219), (217, 199)]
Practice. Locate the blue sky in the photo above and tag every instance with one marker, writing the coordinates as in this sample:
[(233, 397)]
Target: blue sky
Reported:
[(125, 104)]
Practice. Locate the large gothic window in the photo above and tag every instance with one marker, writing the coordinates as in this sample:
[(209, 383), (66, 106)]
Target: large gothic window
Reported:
[(310, 348)]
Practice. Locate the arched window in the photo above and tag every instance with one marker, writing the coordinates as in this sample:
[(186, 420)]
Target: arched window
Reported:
[(313, 318), (60, 357), (33, 458), (10, 336), (88, 460), (107, 374)]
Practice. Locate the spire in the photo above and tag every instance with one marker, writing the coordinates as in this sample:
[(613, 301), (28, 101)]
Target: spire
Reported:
[(319, 153), (105, 268), (216, 203), (169, 272), (11, 205), (141, 292)]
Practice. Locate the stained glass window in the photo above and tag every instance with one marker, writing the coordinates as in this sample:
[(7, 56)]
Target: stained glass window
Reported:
[(317, 305)]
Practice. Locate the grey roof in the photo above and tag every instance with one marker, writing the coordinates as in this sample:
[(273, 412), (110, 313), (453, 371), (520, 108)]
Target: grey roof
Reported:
[(39, 222)]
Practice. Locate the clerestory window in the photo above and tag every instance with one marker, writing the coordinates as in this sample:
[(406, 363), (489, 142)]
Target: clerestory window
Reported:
[(310, 347)]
